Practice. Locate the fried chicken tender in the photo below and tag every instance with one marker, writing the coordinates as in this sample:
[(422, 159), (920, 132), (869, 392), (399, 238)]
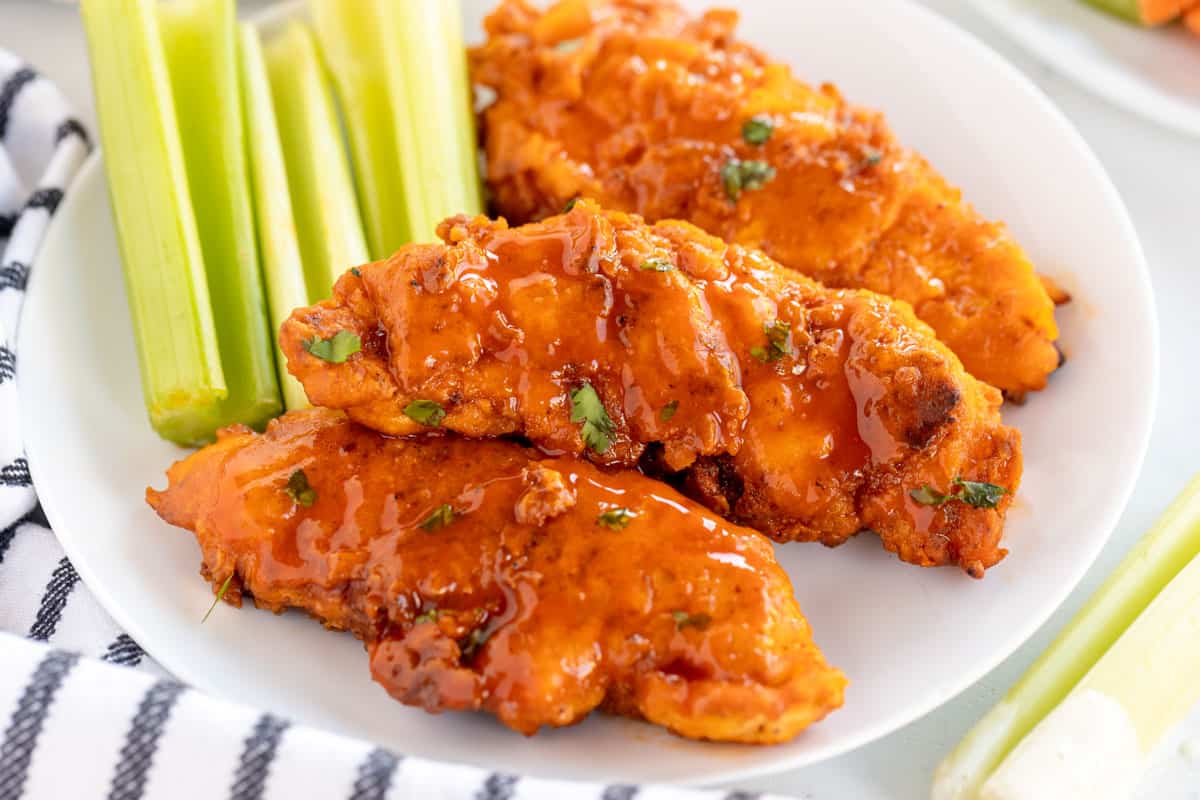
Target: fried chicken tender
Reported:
[(485, 576), (647, 109), (804, 412)]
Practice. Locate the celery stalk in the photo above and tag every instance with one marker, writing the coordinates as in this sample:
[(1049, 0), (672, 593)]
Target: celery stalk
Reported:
[(182, 380), (352, 42), (1129, 9), (1136, 692), (427, 93), (283, 269), (198, 38), (1150, 566), (322, 193)]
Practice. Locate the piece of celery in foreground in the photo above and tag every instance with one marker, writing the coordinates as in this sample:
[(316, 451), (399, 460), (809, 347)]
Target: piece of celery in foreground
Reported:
[(1154, 562), (283, 269), (1093, 745), (322, 194), (182, 380), (198, 38)]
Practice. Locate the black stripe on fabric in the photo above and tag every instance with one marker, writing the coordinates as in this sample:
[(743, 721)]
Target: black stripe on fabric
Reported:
[(258, 752), (16, 473), (44, 198), (36, 517), (14, 275), (124, 651), (141, 742), (25, 725), (8, 364), (54, 600), (498, 786), (8, 94), (7, 223), (374, 776), (71, 127), (619, 791)]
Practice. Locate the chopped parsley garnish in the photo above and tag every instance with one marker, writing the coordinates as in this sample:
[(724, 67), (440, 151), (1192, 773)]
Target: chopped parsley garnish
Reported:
[(354, 271), (336, 349), (220, 596), (616, 519), (475, 639), (779, 342), (657, 265), (598, 429), (973, 493), (299, 490), (668, 411), (686, 620), (872, 157), (441, 516), (570, 204), (758, 129), (429, 616), (738, 176), (426, 412)]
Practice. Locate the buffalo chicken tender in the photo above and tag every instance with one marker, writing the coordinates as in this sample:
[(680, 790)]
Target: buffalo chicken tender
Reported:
[(485, 576)]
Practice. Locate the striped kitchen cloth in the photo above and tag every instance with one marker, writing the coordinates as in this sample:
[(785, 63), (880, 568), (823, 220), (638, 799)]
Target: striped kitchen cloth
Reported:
[(73, 726)]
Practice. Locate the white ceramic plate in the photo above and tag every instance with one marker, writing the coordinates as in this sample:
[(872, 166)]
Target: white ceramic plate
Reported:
[(908, 638), (1152, 72)]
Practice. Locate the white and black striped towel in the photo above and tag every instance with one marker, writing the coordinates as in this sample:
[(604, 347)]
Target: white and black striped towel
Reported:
[(73, 726)]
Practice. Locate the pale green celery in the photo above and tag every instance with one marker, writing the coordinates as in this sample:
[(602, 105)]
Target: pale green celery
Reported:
[(322, 193), (1161, 555), (468, 143), (1129, 9), (182, 380), (199, 41), (353, 44), (428, 89), (283, 269)]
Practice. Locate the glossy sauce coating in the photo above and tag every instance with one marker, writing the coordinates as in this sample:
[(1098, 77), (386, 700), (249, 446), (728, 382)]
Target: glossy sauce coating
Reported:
[(533, 599), (805, 412), (640, 106)]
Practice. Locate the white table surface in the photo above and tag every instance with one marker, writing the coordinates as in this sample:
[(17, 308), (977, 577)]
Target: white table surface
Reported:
[(1158, 175)]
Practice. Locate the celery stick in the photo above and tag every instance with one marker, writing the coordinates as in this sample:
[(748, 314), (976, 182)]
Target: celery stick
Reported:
[(322, 193), (353, 44), (198, 38), (468, 144), (427, 85), (1129, 9), (1113, 718), (176, 339), (283, 269), (1151, 565)]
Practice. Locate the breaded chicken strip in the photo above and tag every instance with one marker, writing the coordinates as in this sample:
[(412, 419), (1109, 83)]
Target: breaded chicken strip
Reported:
[(805, 412), (484, 576), (647, 109)]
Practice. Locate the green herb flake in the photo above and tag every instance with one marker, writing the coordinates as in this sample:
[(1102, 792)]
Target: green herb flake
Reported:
[(657, 265), (685, 620), (429, 616), (738, 176), (426, 412), (616, 519), (570, 205), (598, 429), (299, 490), (355, 272), (668, 411), (475, 640), (220, 596), (441, 516), (977, 494), (872, 157), (758, 129), (779, 342), (336, 349)]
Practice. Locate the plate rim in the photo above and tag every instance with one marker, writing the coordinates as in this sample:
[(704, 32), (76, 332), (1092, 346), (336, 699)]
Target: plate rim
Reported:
[(1163, 109), (1018, 635)]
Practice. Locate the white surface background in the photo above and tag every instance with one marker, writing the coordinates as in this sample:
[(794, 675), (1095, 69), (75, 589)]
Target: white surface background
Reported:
[(1158, 175)]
